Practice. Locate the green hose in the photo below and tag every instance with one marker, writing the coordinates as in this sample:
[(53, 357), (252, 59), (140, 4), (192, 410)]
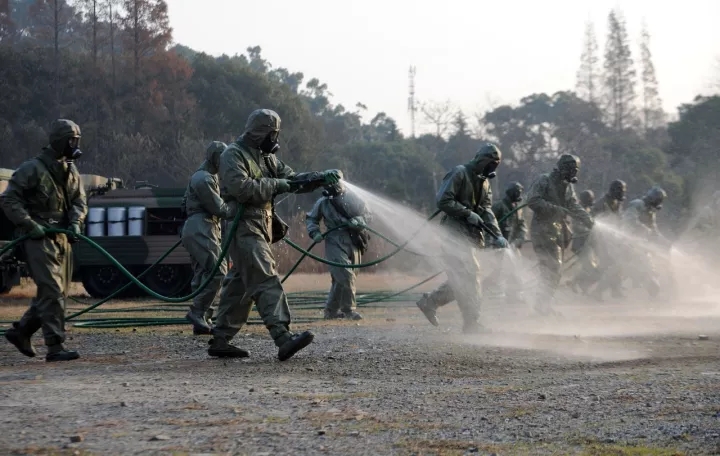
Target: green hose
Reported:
[(304, 300)]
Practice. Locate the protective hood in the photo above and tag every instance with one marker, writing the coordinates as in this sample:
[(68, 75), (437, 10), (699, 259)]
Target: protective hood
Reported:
[(260, 123), (485, 160), (61, 131), (618, 190), (568, 167), (587, 198), (655, 197), (333, 190), (514, 192), (212, 157)]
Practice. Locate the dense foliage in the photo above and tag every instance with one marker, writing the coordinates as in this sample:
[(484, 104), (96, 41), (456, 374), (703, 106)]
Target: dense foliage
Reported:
[(147, 110)]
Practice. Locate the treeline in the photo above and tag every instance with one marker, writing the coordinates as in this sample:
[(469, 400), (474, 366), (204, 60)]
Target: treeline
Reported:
[(147, 110)]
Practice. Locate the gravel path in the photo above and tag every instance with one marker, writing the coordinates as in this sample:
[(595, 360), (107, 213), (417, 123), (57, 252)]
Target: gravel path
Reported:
[(599, 382)]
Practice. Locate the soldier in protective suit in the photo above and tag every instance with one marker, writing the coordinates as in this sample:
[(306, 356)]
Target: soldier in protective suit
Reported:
[(202, 237), (466, 199), (252, 176), (337, 207), (639, 220), (583, 247), (608, 209), (514, 229), (552, 199), (46, 192)]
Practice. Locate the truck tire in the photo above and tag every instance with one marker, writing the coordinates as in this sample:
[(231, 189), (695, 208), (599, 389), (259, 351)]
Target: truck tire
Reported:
[(169, 280), (101, 281)]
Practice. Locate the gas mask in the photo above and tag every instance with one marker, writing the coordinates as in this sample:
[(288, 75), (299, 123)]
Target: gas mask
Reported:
[(569, 174), (332, 191), (72, 149), (514, 192), (67, 148), (618, 189), (655, 197), (270, 143), (489, 171)]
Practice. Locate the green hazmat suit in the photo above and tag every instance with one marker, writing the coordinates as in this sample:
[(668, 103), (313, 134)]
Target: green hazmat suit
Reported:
[(583, 246), (201, 233), (552, 199), (514, 228), (640, 220), (608, 209), (342, 245), (251, 178), (464, 191), (47, 191)]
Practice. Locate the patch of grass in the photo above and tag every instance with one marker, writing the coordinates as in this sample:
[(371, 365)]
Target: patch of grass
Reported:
[(30, 450), (518, 412), (597, 449), (450, 447), (501, 389)]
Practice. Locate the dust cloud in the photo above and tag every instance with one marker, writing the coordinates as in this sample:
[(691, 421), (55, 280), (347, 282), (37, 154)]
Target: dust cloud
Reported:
[(585, 327)]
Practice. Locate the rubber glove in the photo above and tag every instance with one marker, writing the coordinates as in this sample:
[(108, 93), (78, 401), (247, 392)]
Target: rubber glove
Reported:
[(332, 176), (317, 238), (501, 242), (357, 222), (282, 186), (75, 231), (38, 232), (474, 219)]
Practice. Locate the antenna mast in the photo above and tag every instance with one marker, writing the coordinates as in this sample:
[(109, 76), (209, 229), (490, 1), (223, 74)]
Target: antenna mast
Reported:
[(411, 100)]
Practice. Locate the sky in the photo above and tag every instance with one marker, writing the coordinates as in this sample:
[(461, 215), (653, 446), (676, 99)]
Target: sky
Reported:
[(476, 54)]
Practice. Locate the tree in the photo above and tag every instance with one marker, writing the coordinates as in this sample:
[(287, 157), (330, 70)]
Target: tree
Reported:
[(619, 78), (7, 27), (147, 31), (653, 116), (588, 86), (54, 22), (438, 114)]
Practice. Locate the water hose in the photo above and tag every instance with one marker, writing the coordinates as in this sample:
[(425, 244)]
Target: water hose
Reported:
[(363, 300)]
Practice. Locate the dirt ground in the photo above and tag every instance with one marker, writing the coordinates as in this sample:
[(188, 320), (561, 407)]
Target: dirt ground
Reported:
[(613, 379)]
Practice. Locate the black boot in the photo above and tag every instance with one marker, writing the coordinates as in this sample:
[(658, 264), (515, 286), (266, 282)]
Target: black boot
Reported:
[(352, 315), (200, 325), (59, 353), (221, 348), (20, 340), (294, 344), (330, 315), (428, 309)]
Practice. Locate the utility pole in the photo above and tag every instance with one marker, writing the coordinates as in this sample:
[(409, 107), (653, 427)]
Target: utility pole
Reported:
[(411, 100)]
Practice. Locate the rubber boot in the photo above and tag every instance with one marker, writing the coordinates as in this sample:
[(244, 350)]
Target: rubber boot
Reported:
[(20, 340), (58, 353), (332, 315), (221, 348), (200, 326), (294, 343), (474, 328), (427, 308), (352, 315)]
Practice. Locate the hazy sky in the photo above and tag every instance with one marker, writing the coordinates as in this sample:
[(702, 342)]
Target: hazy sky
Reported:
[(474, 53)]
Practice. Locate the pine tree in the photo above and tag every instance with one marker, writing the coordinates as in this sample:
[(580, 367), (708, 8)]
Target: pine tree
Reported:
[(653, 115), (147, 30), (619, 77), (587, 85)]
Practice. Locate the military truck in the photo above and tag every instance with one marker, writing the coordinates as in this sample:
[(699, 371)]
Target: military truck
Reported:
[(136, 226)]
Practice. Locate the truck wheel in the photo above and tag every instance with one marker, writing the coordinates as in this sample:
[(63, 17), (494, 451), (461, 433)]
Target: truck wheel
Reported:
[(102, 281), (169, 279)]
